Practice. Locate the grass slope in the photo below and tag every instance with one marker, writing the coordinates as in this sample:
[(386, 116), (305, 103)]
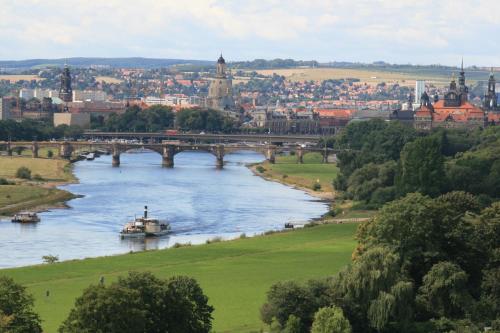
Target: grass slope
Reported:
[(303, 175), (49, 169), (234, 274)]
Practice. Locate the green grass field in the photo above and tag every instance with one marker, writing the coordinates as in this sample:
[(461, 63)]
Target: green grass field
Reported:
[(303, 175), (49, 169), (235, 274), (14, 198)]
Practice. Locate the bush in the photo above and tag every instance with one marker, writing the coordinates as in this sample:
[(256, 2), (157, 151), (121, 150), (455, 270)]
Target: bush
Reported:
[(216, 239), (37, 177), (50, 259), (285, 176), (316, 186), (4, 181), (260, 169), (50, 154), (23, 173)]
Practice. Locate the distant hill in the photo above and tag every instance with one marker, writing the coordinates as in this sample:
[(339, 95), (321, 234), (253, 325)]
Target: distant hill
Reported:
[(111, 62)]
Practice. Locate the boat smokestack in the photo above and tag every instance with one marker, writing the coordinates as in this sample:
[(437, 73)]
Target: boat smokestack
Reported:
[(145, 212)]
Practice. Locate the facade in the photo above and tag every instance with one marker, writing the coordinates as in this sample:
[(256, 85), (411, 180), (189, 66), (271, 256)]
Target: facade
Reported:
[(4, 108), (220, 92), (72, 119), (65, 91), (89, 95), (26, 94), (453, 111)]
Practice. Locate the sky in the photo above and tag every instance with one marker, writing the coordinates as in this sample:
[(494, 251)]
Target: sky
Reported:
[(395, 31)]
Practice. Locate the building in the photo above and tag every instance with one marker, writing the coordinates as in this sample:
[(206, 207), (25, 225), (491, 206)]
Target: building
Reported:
[(419, 90), (65, 91), (4, 108), (490, 98), (453, 111), (72, 119), (220, 92), (89, 95), (26, 94)]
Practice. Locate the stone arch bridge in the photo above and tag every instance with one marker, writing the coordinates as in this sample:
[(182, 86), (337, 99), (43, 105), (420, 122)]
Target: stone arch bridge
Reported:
[(167, 149)]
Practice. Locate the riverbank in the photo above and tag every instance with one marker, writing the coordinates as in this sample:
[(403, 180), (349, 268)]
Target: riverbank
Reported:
[(234, 274), (38, 193), (305, 177)]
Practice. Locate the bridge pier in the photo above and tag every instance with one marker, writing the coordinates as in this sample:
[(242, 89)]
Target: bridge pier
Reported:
[(34, 149), (168, 156), (115, 155), (219, 155), (65, 150), (271, 154), (300, 155)]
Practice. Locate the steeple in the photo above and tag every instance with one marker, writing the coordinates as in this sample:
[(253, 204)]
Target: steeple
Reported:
[(490, 98), (221, 68), (65, 91)]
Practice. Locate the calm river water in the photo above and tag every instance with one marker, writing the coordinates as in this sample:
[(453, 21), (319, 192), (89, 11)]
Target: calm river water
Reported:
[(199, 201)]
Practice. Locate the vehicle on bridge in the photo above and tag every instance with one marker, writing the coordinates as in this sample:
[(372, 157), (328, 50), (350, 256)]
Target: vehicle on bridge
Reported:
[(145, 227)]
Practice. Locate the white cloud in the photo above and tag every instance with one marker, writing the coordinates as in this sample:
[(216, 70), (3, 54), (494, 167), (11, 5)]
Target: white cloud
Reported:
[(361, 30)]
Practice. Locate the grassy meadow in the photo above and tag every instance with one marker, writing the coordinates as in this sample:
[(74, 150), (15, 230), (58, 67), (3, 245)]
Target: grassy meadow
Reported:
[(27, 194), (234, 274), (287, 170), (13, 78)]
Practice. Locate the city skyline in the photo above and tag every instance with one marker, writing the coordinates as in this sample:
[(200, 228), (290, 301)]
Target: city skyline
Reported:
[(365, 31)]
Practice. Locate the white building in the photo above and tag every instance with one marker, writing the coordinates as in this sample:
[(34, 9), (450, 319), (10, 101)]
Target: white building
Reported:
[(419, 90), (26, 94), (89, 95)]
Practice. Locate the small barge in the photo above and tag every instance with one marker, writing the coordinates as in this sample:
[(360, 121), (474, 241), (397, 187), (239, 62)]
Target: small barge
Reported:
[(145, 227), (26, 217)]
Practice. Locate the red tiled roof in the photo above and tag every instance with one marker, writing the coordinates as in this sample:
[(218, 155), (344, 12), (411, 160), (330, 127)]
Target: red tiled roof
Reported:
[(337, 113)]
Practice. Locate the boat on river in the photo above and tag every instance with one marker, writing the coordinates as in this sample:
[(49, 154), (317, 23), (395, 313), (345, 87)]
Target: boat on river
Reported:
[(26, 217), (145, 227)]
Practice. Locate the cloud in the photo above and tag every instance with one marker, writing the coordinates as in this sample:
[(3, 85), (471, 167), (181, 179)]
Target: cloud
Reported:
[(363, 30)]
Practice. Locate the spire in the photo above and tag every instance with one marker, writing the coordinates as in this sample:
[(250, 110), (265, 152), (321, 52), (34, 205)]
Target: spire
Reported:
[(462, 67)]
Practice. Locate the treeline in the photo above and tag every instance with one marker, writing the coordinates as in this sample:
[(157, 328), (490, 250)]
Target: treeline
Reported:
[(135, 119), (27, 130), (275, 63), (157, 118), (385, 161), (137, 303), (422, 265)]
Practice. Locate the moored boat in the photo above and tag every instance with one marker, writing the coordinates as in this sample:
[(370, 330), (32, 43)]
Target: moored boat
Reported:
[(26, 217)]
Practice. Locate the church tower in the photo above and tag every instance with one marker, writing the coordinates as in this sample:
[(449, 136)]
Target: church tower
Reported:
[(490, 98), (65, 91), (463, 89), (220, 91)]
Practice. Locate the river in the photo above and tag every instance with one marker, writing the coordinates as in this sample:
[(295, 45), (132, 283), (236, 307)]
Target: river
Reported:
[(200, 202)]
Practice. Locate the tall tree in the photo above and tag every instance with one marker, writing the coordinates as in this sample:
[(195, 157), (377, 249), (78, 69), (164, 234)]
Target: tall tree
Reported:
[(330, 320)]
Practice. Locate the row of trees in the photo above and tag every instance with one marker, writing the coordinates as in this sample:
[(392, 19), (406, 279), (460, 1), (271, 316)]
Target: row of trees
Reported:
[(157, 118), (389, 160), (28, 130), (421, 265), (137, 303)]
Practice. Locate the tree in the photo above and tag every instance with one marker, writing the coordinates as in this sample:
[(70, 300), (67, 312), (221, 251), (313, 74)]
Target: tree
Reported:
[(421, 167), (292, 325), (23, 173), (444, 291), (16, 309), (330, 320), (174, 305), (101, 309)]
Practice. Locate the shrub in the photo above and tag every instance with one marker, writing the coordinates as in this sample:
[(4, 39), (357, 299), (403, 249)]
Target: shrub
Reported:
[(23, 173), (260, 169), (37, 177), (4, 181), (216, 239), (50, 154), (316, 186), (285, 176), (50, 259)]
